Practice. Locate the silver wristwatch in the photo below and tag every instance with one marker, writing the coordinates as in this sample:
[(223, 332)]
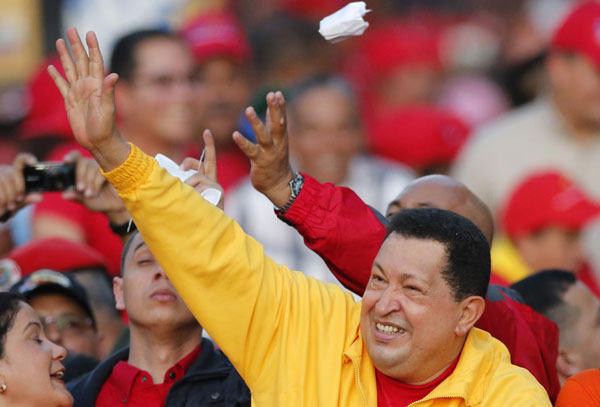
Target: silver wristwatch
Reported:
[(295, 186)]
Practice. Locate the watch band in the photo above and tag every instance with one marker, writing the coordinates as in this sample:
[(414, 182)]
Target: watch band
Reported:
[(295, 186)]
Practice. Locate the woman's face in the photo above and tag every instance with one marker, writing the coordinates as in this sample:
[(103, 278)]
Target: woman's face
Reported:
[(31, 367)]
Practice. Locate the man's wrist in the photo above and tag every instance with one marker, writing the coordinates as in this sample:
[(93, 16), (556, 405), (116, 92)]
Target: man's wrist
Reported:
[(112, 153), (281, 193)]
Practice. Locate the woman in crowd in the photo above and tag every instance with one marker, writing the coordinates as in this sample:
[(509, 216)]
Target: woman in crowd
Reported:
[(30, 365)]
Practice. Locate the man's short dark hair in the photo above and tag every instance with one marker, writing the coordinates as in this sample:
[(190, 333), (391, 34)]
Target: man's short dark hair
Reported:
[(126, 248), (122, 61), (467, 269), (544, 292)]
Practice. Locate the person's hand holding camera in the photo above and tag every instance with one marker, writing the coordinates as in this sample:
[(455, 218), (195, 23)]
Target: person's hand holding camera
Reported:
[(93, 190), (12, 187)]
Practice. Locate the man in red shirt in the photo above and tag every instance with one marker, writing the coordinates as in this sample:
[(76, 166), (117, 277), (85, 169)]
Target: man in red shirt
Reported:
[(168, 362)]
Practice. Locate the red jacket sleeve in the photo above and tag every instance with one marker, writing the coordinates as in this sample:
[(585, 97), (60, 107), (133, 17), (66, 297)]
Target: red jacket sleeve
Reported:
[(338, 226)]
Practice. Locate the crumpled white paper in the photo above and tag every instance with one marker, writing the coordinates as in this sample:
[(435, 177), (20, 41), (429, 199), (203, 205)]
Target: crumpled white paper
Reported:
[(344, 23), (210, 194)]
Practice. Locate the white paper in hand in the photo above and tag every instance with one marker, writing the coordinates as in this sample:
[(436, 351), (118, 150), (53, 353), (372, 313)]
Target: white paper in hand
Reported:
[(345, 23), (210, 194)]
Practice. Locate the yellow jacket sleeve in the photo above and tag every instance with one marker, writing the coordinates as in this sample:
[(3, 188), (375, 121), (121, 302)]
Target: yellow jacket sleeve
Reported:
[(278, 327)]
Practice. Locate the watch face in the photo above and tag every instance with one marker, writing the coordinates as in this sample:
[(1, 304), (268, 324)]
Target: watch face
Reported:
[(296, 184)]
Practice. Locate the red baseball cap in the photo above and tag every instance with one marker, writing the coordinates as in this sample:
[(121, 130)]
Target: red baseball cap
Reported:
[(56, 254), (547, 199), (47, 114), (580, 31), (397, 44), (419, 136), (216, 34)]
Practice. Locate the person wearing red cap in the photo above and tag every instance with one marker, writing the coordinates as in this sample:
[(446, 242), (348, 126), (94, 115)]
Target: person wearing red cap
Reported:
[(222, 56), (559, 130), (542, 220), (46, 125), (423, 137)]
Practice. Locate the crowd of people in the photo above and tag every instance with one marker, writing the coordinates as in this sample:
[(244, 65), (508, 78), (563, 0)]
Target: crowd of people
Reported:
[(408, 217)]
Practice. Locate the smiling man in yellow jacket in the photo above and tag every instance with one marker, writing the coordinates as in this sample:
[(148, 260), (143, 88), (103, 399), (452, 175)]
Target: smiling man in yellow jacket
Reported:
[(297, 341)]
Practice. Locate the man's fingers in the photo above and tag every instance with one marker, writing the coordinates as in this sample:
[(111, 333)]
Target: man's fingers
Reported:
[(66, 61), (210, 156), (33, 198), (81, 58), (248, 148), (72, 157), (59, 81), (96, 64), (108, 91), (189, 163), (24, 159), (277, 113), (282, 107), (262, 134)]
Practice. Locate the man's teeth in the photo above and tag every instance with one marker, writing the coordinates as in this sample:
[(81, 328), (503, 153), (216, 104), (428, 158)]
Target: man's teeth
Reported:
[(58, 375), (388, 329)]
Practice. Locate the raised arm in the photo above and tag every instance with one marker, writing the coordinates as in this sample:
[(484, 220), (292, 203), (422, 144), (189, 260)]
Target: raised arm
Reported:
[(335, 223), (253, 308)]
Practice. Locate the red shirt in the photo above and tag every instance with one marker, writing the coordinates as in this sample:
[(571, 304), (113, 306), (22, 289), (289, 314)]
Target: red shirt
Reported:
[(393, 393), (130, 386)]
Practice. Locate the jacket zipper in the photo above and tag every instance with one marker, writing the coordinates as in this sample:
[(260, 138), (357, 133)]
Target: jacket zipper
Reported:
[(455, 396), (357, 379)]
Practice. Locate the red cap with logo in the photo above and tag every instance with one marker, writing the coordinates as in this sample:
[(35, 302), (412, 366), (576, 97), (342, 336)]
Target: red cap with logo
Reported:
[(47, 114), (216, 34), (547, 199), (419, 136), (580, 31), (57, 254)]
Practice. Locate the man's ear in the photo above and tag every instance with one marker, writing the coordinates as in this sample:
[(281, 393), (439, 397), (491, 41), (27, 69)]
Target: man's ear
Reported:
[(118, 292), (568, 362), (471, 309)]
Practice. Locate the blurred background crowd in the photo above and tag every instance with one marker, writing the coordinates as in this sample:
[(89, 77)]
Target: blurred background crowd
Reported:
[(504, 96)]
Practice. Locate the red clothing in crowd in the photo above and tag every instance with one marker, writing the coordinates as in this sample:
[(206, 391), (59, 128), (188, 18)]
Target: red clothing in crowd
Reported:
[(393, 393), (130, 386), (93, 225), (347, 234)]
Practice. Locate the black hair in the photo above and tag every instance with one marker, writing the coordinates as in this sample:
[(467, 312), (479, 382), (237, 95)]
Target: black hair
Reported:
[(123, 57), (126, 248), (9, 307), (467, 268), (544, 292)]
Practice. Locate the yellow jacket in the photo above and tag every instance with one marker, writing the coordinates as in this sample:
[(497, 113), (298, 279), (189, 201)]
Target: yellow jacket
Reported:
[(507, 262), (295, 340)]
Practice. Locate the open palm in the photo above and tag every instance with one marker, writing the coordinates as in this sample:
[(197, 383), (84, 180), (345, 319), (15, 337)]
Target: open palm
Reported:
[(88, 94)]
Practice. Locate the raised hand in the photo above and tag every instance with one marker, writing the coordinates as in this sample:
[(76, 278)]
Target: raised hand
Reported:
[(207, 169), (270, 170), (89, 99)]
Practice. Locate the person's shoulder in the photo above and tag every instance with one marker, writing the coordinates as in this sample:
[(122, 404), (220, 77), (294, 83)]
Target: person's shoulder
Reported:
[(515, 123)]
